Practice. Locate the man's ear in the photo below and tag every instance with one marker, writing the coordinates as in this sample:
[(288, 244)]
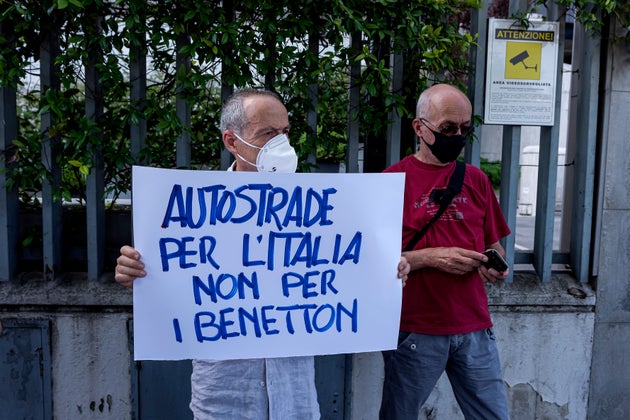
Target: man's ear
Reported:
[(417, 126), (228, 141)]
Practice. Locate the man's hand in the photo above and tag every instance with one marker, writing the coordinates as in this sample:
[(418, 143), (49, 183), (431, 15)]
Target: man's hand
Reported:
[(451, 260), (455, 260), (490, 274), (403, 270), (128, 267)]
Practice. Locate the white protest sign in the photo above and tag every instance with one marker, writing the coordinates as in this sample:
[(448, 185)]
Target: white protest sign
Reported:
[(250, 265)]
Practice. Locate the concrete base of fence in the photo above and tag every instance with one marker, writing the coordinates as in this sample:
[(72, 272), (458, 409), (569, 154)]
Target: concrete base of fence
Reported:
[(544, 332)]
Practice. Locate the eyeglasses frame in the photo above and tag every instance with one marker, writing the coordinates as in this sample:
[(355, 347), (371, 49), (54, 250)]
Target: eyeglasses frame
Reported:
[(447, 129)]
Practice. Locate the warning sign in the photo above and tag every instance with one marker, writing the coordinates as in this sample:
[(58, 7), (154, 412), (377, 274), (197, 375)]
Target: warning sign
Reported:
[(521, 73)]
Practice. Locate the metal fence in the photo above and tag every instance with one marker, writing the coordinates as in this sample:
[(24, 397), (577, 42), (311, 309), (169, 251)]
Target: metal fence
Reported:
[(543, 258)]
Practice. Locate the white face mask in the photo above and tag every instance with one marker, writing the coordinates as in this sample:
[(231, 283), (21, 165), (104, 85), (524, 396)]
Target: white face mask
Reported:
[(277, 155)]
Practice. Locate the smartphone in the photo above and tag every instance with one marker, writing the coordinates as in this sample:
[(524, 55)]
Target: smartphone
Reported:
[(495, 260)]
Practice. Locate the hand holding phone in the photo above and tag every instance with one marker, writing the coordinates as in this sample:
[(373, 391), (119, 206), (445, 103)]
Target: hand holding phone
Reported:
[(495, 260)]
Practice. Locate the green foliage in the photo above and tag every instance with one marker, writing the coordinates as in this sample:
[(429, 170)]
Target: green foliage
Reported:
[(593, 14), (258, 44), (493, 171)]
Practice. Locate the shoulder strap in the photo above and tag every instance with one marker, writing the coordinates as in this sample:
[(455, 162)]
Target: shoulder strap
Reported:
[(443, 198)]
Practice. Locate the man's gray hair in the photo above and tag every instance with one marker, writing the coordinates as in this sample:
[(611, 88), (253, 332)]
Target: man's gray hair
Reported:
[(233, 115)]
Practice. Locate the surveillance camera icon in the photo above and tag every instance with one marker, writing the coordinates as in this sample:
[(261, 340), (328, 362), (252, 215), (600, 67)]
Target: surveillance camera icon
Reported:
[(520, 58)]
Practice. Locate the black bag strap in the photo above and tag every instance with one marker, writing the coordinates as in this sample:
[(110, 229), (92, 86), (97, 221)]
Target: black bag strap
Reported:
[(443, 198)]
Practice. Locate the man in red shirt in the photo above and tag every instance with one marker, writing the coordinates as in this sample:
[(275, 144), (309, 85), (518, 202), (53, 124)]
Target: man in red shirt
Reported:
[(445, 322)]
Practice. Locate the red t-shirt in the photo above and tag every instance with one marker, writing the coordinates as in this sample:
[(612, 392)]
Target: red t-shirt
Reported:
[(436, 302)]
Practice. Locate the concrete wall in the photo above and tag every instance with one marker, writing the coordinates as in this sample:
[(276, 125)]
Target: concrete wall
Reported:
[(89, 343), (544, 336), (610, 380), (92, 379)]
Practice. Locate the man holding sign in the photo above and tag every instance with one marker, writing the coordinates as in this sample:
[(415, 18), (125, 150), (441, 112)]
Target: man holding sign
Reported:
[(255, 129)]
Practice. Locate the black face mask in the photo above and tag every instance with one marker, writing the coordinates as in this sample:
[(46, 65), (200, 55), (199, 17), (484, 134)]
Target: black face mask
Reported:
[(446, 148)]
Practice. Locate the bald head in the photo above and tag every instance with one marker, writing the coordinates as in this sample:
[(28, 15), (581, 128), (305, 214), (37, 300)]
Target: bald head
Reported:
[(442, 99), (442, 110)]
